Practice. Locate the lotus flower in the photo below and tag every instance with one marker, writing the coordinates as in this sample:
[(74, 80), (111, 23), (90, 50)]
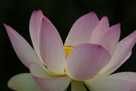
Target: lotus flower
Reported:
[(91, 52)]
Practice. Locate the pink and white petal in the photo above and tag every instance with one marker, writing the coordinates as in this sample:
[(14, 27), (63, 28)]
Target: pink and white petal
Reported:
[(128, 56), (23, 82), (122, 52), (110, 38), (40, 71), (102, 73), (127, 76), (111, 84), (34, 26), (51, 48), (53, 84), (23, 50), (99, 30), (85, 61), (47, 82), (77, 86), (82, 29)]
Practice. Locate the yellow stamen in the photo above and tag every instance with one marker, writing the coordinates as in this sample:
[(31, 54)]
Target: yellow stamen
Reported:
[(68, 49)]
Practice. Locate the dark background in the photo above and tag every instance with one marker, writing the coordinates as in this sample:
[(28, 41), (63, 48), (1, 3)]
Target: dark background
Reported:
[(62, 13)]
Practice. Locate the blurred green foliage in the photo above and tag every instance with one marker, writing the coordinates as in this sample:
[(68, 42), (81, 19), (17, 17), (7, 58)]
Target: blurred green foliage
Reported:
[(62, 13)]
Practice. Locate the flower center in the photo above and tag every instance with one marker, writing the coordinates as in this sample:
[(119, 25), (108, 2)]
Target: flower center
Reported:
[(68, 49)]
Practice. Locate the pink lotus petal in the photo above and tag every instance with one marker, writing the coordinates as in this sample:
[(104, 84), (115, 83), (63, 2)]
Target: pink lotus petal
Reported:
[(122, 53), (99, 29), (86, 60), (51, 48), (128, 56), (110, 38), (23, 50), (47, 82), (23, 82), (112, 83), (77, 86), (35, 25), (82, 29)]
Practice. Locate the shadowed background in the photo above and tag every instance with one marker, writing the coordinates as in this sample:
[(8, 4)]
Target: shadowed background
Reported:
[(62, 13)]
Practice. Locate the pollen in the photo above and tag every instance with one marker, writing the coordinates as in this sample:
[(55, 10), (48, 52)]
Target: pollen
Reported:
[(68, 49)]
